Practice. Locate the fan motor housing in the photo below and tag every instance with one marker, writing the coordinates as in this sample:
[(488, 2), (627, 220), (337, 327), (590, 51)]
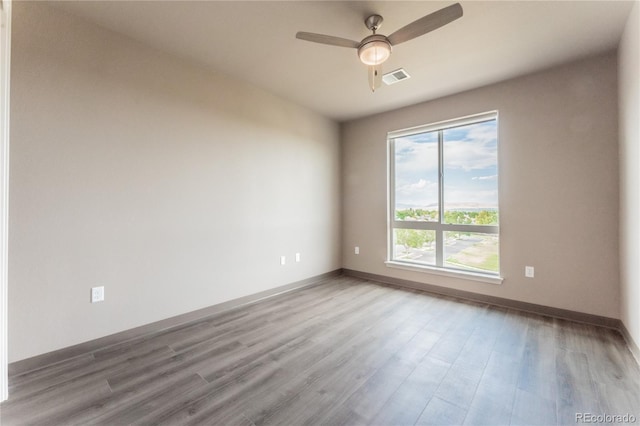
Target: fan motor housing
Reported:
[(373, 22)]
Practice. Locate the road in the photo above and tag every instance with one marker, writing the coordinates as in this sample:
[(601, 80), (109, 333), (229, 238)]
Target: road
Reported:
[(452, 247)]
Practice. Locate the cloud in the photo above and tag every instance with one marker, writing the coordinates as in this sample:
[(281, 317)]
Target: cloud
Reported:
[(411, 155), (492, 177), (484, 132), (470, 161), (459, 197), (419, 193), (470, 156), (473, 147), (417, 187)]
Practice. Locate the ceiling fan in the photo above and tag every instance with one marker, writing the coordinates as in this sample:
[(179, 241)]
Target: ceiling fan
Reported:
[(373, 50)]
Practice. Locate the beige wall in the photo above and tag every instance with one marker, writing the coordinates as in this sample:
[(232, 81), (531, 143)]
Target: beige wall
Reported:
[(558, 165), (629, 64), (173, 187)]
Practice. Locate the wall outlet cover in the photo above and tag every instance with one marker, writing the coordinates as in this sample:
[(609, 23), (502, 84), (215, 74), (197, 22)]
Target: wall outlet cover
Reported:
[(97, 294), (529, 271)]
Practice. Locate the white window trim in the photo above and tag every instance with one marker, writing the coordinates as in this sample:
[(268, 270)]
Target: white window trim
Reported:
[(445, 124), (5, 57), (452, 273), (437, 226)]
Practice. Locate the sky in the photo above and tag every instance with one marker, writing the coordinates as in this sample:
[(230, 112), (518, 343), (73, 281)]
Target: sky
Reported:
[(470, 168)]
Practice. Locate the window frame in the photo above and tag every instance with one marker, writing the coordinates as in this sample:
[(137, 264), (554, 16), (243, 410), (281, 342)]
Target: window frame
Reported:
[(438, 227)]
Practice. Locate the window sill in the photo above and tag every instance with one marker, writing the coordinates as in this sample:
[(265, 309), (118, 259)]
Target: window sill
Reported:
[(470, 276)]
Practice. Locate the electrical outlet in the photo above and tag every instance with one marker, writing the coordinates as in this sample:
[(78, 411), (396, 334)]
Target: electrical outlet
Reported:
[(283, 260), (356, 250), (97, 294), (529, 271), (297, 257)]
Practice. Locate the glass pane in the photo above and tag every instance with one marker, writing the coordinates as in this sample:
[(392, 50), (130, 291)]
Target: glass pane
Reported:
[(470, 159), (416, 177), (415, 245), (472, 251)]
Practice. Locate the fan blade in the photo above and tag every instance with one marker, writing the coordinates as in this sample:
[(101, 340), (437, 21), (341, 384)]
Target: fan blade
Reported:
[(375, 77), (327, 39), (426, 24)]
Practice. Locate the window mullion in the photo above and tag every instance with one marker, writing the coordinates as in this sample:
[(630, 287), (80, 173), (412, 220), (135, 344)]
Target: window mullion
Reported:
[(392, 197), (408, 224), (439, 248), (439, 233)]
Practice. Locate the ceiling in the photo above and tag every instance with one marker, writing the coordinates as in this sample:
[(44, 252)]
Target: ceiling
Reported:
[(255, 42)]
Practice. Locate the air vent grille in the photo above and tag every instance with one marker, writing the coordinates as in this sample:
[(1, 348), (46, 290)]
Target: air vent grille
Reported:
[(395, 76)]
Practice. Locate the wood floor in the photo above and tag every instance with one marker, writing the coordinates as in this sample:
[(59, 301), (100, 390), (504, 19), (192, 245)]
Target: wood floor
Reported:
[(344, 352)]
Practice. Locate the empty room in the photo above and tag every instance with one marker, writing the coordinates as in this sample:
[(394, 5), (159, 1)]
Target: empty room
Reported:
[(319, 212)]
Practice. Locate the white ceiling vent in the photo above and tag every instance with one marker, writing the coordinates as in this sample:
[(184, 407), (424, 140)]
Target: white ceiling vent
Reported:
[(395, 76)]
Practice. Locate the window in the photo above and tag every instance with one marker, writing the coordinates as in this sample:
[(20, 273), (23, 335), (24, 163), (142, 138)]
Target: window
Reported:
[(444, 196)]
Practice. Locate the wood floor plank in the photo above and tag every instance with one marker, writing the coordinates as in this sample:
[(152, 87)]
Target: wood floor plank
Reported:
[(407, 403), (441, 412), (215, 402), (248, 316), (494, 397), (259, 321), (20, 380), (479, 346), (333, 380), (348, 351), (576, 389), (202, 409), (306, 399), (83, 374), (537, 374), (511, 340), (533, 409), (42, 408), (459, 385), (492, 403), (609, 362), (283, 336), (363, 404), (174, 365), (124, 407), (197, 358), (455, 336), (617, 399)]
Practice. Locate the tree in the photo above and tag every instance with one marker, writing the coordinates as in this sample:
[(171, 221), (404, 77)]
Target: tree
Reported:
[(486, 217), (413, 238)]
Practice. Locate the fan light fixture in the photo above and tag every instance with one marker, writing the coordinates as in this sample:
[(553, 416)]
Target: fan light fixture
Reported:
[(374, 50)]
